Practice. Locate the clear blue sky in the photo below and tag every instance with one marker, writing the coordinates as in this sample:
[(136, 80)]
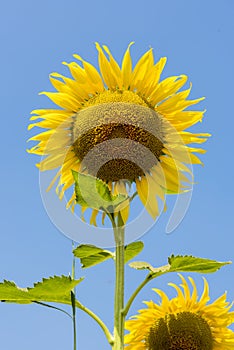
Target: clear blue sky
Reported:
[(197, 37)]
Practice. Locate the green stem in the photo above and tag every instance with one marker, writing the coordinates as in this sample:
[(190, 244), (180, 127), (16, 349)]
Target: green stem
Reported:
[(133, 296), (73, 301), (98, 320), (119, 317)]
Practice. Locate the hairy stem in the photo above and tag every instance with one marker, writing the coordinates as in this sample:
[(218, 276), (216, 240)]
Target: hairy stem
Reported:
[(119, 317)]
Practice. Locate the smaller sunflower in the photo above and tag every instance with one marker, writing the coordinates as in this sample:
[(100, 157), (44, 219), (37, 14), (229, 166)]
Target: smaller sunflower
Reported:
[(183, 322)]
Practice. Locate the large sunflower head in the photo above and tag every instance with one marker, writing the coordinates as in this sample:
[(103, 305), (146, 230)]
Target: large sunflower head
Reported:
[(120, 124), (184, 322)]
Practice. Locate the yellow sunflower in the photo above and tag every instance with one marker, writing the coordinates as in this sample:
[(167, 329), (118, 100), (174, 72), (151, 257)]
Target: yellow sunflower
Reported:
[(183, 323), (122, 125)]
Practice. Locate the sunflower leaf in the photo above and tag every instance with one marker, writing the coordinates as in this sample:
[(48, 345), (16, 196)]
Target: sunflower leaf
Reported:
[(193, 264), (95, 259), (85, 250), (132, 250), (94, 193), (91, 255), (180, 263), (53, 289)]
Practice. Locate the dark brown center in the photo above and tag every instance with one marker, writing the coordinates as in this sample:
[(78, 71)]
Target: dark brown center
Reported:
[(117, 140), (184, 331)]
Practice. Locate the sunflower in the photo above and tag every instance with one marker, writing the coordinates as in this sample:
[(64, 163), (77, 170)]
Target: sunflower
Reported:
[(122, 125), (183, 322)]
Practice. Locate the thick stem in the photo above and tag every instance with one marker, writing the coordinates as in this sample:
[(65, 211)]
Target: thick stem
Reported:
[(119, 317)]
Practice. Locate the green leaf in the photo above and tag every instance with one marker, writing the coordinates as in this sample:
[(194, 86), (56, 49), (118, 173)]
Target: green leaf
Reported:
[(194, 264), (180, 263), (10, 292), (132, 250), (95, 259), (94, 193), (91, 255), (53, 289), (85, 250)]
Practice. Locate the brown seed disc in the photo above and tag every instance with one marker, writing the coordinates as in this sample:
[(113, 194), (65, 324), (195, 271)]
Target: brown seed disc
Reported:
[(184, 331), (118, 140)]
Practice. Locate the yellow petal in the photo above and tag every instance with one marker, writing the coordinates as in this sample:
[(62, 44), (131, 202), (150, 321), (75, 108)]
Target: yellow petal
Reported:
[(93, 217), (71, 203), (105, 69), (185, 287), (92, 74), (115, 68), (120, 188), (141, 69), (78, 90), (176, 164), (189, 137), (63, 100), (155, 188), (166, 88), (177, 102), (124, 208), (185, 119), (205, 295), (183, 156), (127, 67), (103, 218), (194, 294), (52, 162), (154, 76), (147, 197), (77, 72)]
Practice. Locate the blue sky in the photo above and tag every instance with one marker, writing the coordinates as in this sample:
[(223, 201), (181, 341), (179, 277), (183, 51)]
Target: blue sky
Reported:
[(197, 38)]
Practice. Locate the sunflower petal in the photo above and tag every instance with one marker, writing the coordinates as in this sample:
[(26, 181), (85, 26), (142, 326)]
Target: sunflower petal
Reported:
[(127, 67)]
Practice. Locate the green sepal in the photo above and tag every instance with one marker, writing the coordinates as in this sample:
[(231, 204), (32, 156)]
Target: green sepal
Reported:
[(91, 255), (132, 250), (94, 193), (55, 289), (181, 263)]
